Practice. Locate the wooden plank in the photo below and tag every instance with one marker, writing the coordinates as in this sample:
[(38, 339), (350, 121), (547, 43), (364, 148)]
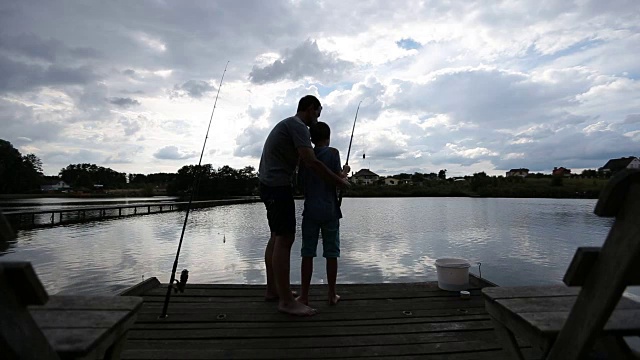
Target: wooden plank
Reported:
[(6, 232), (245, 296), (65, 302), (258, 291), (17, 325), (141, 288), (317, 342), (24, 282), (495, 293), (181, 315), (299, 325), (69, 319), (87, 342), (429, 285), (508, 340), (582, 263), (315, 353), (613, 195), (601, 292), (346, 306), (290, 333), (518, 326), (621, 323), (560, 303)]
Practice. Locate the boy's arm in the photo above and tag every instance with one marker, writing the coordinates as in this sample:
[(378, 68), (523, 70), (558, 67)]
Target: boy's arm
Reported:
[(344, 171), (309, 159)]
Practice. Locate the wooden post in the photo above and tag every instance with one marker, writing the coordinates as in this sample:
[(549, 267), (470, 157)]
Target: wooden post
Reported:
[(20, 336), (6, 233), (602, 291)]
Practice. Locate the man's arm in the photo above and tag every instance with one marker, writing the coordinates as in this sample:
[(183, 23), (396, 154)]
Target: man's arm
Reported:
[(309, 160)]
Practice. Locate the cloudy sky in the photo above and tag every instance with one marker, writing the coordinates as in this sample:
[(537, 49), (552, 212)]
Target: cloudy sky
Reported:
[(460, 85)]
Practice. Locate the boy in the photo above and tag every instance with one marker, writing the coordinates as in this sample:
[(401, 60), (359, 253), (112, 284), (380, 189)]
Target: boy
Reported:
[(321, 213)]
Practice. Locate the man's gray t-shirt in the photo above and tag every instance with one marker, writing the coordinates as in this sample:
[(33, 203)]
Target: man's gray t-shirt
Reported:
[(280, 153)]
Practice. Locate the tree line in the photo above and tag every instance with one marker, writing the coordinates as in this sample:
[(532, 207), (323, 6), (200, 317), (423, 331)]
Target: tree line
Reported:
[(22, 174)]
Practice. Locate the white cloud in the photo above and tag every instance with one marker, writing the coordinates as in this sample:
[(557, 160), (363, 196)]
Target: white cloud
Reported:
[(491, 86), (173, 153)]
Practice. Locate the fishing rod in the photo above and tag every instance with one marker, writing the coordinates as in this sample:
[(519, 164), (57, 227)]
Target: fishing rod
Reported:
[(184, 275), (340, 192)]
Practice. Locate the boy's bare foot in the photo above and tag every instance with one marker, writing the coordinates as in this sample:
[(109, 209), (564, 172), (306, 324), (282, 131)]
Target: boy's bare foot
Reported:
[(333, 300), (296, 308), (274, 297), (303, 300)]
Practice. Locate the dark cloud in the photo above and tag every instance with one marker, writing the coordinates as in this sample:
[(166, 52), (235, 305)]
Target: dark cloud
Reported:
[(32, 46), (173, 153), (192, 88), (124, 102), (632, 119), (131, 126), (303, 61), (21, 122), (18, 77)]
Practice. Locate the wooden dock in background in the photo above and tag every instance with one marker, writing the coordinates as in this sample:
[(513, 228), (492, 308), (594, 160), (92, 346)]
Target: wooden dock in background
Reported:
[(387, 321), (70, 215)]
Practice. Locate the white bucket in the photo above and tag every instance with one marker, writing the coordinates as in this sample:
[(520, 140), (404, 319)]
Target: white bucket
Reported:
[(453, 274)]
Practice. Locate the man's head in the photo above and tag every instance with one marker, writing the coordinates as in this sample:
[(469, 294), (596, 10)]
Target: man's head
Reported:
[(320, 133), (309, 109)]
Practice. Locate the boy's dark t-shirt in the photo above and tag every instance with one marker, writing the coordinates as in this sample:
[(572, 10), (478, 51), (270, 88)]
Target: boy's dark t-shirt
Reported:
[(320, 198)]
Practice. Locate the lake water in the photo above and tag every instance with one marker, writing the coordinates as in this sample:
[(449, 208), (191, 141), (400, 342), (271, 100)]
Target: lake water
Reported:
[(517, 241)]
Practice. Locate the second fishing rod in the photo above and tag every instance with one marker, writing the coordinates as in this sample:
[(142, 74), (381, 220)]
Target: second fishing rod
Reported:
[(179, 286), (341, 192)]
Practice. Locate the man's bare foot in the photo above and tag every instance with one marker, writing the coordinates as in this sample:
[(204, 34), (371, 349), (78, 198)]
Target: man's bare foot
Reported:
[(296, 308), (274, 297), (333, 300), (303, 300)]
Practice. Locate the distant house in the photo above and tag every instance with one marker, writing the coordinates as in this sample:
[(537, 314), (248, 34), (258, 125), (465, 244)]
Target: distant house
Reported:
[(615, 165), (518, 172), (55, 186), (395, 181), (365, 176), (391, 181), (560, 171)]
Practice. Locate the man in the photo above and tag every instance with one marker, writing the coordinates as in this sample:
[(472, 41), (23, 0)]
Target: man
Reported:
[(288, 142)]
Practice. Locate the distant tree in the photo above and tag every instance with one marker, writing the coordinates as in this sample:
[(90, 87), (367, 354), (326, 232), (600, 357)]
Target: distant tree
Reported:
[(18, 173), (87, 175), (442, 174), (223, 182), (589, 173), (417, 177), (480, 180)]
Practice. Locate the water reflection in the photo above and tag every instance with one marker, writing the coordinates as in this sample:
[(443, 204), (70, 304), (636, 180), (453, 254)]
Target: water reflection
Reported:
[(518, 241)]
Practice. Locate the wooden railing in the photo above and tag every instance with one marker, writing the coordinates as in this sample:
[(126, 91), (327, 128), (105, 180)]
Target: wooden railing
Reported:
[(44, 218)]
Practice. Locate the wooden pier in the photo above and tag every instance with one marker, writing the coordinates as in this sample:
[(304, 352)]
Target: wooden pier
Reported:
[(70, 215), (385, 321)]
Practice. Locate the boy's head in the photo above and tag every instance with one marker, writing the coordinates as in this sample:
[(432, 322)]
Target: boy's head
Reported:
[(320, 133)]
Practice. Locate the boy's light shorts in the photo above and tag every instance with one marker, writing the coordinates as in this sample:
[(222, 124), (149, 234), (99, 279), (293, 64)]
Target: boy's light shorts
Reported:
[(330, 238)]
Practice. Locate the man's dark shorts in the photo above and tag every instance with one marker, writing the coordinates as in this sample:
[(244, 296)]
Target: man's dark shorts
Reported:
[(281, 209)]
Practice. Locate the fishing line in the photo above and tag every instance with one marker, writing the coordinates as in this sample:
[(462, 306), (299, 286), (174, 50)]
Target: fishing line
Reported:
[(196, 179)]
